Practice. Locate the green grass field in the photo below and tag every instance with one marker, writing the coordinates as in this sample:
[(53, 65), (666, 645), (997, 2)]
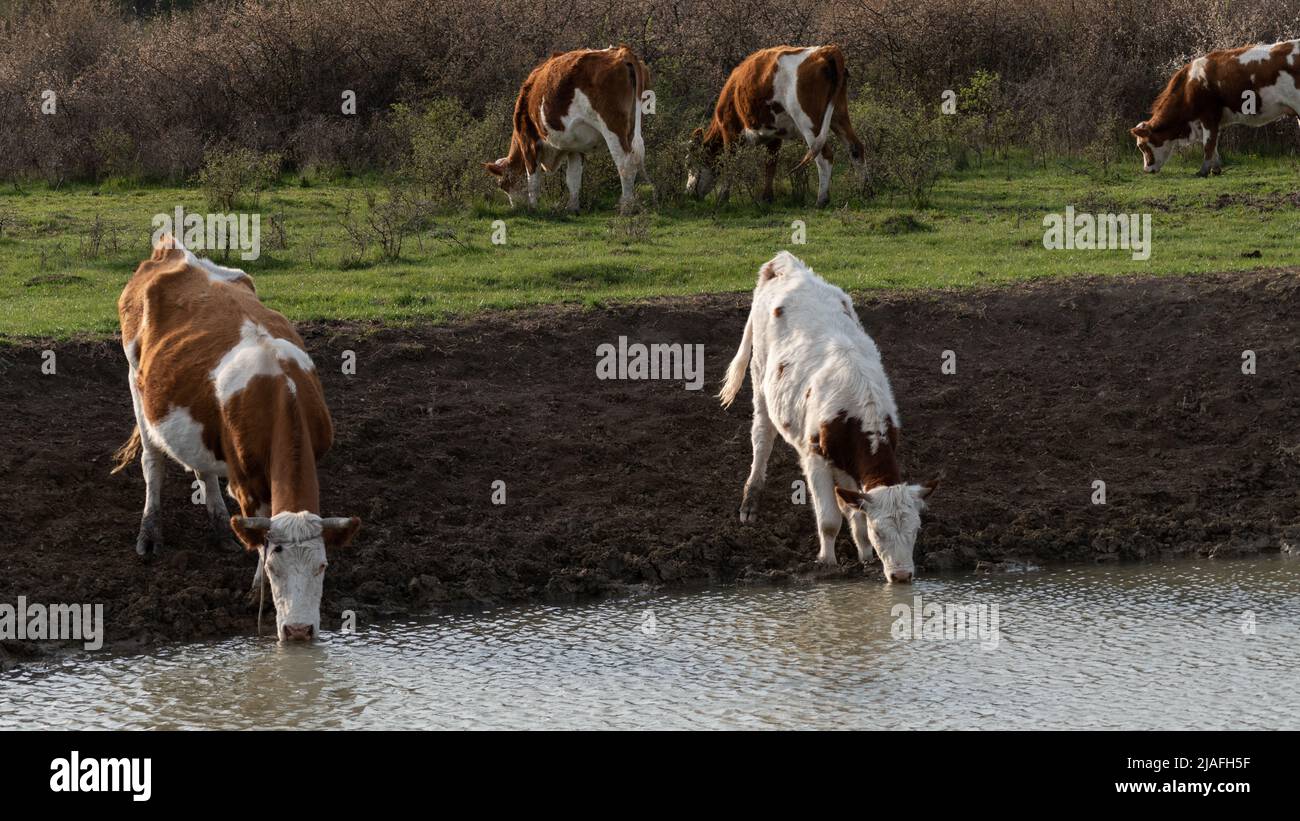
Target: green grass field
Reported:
[(984, 226)]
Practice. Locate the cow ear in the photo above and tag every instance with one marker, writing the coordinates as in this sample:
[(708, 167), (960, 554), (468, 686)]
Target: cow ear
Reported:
[(1140, 130), (339, 532), (165, 243), (493, 168), (251, 530), (851, 497), (923, 491)]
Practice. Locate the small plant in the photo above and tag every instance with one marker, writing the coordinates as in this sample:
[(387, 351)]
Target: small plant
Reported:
[(233, 175), (101, 237), (630, 228)]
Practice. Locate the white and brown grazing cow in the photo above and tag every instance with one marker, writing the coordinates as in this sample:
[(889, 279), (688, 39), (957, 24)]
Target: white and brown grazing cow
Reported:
[(1254, 86), (819, 383), (569, 105), (222, 384), (776, 94)]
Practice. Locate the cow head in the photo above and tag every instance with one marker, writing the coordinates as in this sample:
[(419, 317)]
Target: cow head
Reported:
[(511, 178), (292, 553), (893, 518), (1159, 142), (700, 172)]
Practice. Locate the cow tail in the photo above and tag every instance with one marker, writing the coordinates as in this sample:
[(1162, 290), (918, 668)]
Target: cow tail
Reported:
[(638, 76), (128, 453), (525, 131), (739, 364), (834, 69)]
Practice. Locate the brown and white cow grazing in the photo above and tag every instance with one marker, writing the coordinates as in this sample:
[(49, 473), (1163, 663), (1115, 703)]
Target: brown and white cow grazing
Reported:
[(819, 382), (569, 105), (222, 384), (776, 94), (1254, 86)]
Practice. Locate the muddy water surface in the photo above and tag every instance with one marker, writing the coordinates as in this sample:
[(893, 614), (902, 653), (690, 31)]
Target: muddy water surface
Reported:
[(1193, 644)]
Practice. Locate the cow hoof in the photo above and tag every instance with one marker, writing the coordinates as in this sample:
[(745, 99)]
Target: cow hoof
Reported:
[(1216, 170), (1204, 172), (149, 542), (823, 203), (749, 508), (828, 561)]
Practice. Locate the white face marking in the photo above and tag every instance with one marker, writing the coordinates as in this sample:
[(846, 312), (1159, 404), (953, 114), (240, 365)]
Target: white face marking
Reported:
[(893, 520), (256, 354), (181, 437), (295, 566)]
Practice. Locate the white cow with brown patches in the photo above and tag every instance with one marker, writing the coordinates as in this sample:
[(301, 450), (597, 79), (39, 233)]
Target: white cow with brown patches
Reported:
[(222, 384), (1252, 85), (574, 103), (819, 383)]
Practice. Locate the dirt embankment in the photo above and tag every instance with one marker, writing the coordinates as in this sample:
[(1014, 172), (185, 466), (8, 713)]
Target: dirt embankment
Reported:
[(1137, 383)]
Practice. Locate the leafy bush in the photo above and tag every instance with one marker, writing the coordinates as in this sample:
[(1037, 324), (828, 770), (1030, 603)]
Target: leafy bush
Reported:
[(443, 148), (237, 175), (907, 143)]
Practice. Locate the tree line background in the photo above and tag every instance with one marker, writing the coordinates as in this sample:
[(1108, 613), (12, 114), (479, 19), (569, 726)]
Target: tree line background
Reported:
[(153, 90)]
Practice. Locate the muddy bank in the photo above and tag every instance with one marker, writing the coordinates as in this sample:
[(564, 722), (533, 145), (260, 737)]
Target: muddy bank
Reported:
[(1135, 382)]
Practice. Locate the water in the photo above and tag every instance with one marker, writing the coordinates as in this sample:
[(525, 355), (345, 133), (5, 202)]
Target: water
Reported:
[(1156, 646)]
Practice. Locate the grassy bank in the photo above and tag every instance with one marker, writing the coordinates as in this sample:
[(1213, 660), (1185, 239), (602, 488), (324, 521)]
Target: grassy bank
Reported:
[(65, 254)]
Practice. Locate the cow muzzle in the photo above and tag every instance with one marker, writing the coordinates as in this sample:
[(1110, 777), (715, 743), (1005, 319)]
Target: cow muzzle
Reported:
[(299, 632), (900, 577)]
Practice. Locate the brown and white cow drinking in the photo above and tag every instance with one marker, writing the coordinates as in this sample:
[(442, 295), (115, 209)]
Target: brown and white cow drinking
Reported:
[(776, 94), (818, 381), (223, 385), (569, 105), (1254, 86)]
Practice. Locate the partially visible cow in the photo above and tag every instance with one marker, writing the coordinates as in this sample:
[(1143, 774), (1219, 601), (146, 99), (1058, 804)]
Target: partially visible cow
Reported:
[(776, 94), (819, 383), (569, 105), (222, 384), (1254, 86)]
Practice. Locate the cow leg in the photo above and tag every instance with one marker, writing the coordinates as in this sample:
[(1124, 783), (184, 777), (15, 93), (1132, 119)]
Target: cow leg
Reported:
[(821, 484), (627, 163), (1211, 164), (535, 186), (573, 177), (769, 169), (858, 527), (149, 540), (153, 464), (218, 515), (762, 434), (823, 179)]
